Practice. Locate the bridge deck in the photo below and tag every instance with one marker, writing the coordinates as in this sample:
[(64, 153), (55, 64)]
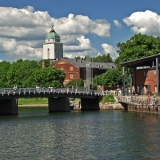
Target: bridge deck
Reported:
[(48, 92)]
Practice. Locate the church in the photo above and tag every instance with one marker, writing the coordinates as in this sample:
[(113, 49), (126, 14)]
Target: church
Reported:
[(52, 47), (73, 68)]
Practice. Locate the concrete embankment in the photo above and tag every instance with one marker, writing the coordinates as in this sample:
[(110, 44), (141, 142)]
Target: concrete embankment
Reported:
[(105, 106)]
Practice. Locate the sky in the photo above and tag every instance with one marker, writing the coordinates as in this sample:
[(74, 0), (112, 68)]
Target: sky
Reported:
[(86, 27)]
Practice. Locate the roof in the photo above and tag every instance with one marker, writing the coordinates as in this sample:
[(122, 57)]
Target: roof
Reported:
[(52, 35), (147, 61), (82, 64)]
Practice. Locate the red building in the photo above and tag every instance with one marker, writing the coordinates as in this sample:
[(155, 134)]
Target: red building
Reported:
[(145, 74), (77, 68)]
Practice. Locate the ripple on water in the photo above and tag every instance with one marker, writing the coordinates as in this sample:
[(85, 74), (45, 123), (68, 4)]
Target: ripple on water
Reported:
[(79, 135)]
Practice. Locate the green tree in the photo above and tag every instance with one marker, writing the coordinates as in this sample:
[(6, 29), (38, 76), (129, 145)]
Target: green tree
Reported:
[(138, 46), (21, 73), (79, 83), (103, 58), (46, 62), (4, 67), (111, 77), (46, 77)]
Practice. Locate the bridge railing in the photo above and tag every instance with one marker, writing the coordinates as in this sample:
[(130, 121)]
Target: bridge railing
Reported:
[(49, 90)]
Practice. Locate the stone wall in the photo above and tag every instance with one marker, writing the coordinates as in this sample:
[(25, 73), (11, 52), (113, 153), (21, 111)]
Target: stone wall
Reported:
[(105, 106)]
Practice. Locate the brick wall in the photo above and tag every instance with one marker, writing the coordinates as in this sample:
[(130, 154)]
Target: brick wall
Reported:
[(145, 78), (71, 71)]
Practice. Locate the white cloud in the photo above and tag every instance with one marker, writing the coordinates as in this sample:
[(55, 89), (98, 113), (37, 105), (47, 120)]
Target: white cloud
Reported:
[(117, 24), (23, 32), (110, 49), (80, 25), (147, 22)]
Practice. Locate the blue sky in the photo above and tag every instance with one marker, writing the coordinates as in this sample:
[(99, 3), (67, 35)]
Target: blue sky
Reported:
[(91, 27)]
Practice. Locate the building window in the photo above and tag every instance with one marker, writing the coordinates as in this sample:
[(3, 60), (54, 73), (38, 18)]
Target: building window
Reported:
[(71, 68), (48, 53), (71, 76), (146, 74), (155, 88), (137, 89)]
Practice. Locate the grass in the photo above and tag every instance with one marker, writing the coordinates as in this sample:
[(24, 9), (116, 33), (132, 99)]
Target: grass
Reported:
[(28, 101), (108, 98)]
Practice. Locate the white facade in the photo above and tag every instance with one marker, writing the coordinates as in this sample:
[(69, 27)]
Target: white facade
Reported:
[(52, 47)]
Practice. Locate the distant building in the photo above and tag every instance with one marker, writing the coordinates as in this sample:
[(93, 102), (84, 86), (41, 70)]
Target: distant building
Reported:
[(52, 47), (145, 74), (77, 68)]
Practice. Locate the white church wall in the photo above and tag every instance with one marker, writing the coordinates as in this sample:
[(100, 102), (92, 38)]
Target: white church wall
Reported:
[(49, 51)]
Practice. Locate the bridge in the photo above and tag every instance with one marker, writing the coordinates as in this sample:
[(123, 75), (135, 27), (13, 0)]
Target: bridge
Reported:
[(140, 103), (58, 98)]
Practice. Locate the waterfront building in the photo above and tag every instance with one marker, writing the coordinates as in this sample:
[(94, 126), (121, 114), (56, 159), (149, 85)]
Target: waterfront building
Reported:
[(144, 74)]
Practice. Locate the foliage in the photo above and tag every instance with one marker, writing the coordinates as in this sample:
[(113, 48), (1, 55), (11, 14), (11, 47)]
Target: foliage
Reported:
[(78, 83), (21, 74), (100, 58), (108, 98), (4, 67), (111, 77), (103, 58), (25, 74), (46, 77), (46, 62), (138, 46)]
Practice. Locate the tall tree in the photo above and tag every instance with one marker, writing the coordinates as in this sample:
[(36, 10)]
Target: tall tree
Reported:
[(46, 77), (138, 46), (4, 67), (21, 73), (111, 77)]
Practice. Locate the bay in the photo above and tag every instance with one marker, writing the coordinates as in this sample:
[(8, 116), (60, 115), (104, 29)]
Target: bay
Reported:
[(36, 134)]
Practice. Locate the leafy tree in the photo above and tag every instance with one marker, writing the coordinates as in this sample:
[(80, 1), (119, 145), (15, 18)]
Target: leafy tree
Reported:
[(4, 67), (87, 57), (103, 58), (21, 73), (111, 77), (138, 46), (46, 77), (46, 62), (79, 83)]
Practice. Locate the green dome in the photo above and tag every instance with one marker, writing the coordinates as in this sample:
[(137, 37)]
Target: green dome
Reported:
[(52, 35)]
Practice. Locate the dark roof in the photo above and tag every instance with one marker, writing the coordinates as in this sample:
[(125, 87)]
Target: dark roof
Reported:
[(82, 64), (146, 61)]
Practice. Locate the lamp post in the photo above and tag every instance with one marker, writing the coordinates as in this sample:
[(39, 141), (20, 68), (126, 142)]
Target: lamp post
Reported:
[(123, 78)]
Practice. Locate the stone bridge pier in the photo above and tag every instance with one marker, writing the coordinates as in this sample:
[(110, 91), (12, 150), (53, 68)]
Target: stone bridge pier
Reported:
[(89, 104), (9, 106), (58, 104)]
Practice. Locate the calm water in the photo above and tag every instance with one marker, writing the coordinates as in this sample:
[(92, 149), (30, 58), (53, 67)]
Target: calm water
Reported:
[(96, 135)]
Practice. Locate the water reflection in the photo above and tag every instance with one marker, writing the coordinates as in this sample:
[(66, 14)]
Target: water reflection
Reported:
[(35, 134)]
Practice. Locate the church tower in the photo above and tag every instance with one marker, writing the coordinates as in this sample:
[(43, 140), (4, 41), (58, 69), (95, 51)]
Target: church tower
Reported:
[(52, 47)]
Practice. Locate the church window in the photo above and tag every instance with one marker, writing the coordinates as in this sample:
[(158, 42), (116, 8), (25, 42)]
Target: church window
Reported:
[(48, 53)]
